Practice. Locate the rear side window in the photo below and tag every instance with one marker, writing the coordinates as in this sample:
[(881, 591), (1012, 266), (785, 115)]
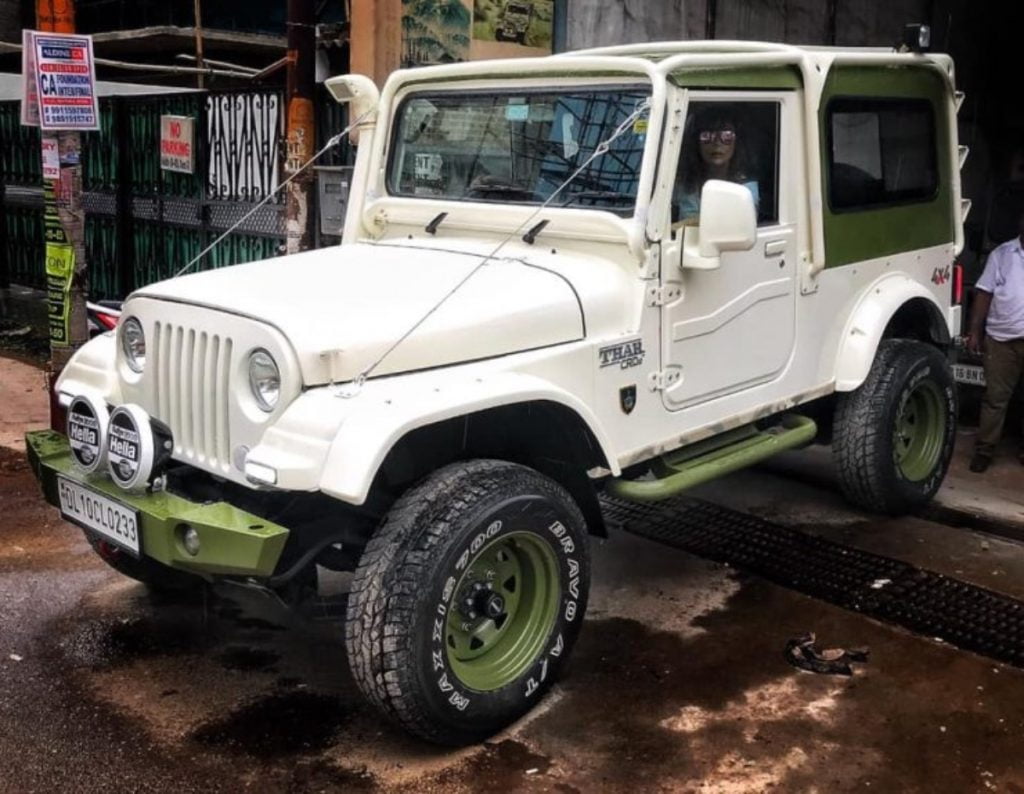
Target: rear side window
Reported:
[(881, 153)]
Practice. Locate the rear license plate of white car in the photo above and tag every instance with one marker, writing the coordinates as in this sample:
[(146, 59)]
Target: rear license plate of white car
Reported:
[(969, 373), (94, 511)]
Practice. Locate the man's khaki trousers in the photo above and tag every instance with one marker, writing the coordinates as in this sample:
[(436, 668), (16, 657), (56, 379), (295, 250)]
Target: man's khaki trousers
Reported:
[(1004, 362)]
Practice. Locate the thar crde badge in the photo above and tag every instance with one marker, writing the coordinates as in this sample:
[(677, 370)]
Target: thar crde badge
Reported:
[(624, 355)]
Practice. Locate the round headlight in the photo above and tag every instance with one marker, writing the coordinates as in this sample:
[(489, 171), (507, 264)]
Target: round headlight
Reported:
[(264, 379), (133, 343)]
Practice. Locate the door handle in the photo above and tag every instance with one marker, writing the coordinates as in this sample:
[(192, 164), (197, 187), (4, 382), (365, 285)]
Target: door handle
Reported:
[(774, 247)]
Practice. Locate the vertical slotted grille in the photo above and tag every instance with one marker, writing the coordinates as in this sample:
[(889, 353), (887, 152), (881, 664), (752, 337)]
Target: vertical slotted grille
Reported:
[(192, 371)]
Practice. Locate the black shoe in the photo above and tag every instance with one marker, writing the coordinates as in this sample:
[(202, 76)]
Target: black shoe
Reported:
[(979, 462)]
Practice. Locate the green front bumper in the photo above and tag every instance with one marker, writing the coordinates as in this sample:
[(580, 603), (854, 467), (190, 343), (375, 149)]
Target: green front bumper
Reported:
[(232, 541)]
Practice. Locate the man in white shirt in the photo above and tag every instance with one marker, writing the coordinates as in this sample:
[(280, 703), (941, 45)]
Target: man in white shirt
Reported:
[(997, 328)]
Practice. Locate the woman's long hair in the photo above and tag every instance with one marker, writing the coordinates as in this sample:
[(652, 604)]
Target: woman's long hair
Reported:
[(694, 171)]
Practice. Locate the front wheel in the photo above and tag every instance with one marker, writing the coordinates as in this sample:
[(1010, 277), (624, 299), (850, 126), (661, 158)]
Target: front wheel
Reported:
[(893, 436), (468, 599)]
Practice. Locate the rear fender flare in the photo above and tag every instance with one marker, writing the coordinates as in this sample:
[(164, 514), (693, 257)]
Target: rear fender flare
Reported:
[(867, 323)]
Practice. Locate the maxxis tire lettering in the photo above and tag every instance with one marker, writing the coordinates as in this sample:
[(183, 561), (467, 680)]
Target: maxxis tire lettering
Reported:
[(447, 683), (407, 588)]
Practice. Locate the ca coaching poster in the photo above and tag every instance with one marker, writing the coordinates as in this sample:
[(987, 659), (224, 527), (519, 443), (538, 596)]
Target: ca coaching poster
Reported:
[(65, 82)]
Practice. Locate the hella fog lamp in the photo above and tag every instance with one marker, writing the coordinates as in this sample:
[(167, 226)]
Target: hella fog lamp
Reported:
[(87, 420), (131, 447), (133, 343), (264, 379)]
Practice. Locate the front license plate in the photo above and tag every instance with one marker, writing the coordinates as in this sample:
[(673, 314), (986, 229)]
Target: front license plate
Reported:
[(969, 373), (104, 516)]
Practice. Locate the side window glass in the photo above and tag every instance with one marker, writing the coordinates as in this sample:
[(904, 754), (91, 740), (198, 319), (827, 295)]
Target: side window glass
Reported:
[(881, 153), (734, 141)]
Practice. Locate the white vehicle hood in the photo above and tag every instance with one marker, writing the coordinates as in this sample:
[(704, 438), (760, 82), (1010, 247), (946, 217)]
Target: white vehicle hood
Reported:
[(342, 308)]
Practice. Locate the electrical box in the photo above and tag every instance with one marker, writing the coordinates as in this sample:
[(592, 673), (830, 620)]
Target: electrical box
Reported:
[(333, 182)]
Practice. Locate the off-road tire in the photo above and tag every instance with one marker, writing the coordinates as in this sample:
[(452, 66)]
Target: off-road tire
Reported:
[(413, 576), (155, 576), (909, 393)]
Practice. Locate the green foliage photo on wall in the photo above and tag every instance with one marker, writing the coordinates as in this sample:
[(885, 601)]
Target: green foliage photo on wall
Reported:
[(435, 31)]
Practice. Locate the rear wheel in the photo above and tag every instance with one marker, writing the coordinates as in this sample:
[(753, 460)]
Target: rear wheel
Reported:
[(468, 599), (893, 436)]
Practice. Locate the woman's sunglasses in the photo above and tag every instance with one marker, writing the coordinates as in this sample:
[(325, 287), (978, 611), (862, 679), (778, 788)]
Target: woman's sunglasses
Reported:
[(723, 136)]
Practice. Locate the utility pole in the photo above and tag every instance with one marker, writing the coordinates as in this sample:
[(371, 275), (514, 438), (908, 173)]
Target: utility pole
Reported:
[(301, 137), (198, 10), (376, 38), (58, 16)]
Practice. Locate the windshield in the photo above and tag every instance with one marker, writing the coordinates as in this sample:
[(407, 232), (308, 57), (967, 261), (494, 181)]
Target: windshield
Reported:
[(519, 148)]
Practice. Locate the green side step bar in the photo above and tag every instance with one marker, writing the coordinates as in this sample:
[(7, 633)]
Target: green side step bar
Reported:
[(714, 457)]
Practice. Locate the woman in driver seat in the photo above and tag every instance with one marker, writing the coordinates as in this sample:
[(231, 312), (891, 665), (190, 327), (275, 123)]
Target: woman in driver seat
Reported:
[(712, 149)]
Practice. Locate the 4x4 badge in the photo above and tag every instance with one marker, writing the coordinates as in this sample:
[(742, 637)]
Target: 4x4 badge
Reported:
[(627, 399)]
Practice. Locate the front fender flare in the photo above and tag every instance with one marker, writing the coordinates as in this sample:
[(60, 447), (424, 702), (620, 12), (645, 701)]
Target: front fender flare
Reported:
[(368, 434), (868, 321)]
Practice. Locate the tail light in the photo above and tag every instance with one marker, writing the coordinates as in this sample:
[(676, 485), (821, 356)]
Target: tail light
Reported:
[(102, 317), (108, 321), (958, 284)]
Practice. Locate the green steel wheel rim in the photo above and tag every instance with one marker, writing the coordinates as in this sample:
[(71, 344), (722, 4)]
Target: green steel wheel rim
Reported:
[(919, 431), (505, 605)]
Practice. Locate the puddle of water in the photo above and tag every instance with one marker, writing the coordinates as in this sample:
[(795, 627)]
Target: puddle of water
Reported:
[(247, 659), (112, 643), (283, 724)]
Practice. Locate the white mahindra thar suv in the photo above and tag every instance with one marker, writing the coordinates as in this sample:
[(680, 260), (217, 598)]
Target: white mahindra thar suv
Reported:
[(624, 270)]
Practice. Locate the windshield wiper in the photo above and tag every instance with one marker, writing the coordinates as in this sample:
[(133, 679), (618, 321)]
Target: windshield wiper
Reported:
[(493, 190), (609, 195), (536, 229), (431, 228)]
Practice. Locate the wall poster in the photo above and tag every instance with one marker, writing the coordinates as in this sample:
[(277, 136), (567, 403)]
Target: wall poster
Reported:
[(510, 28), (447, 31)]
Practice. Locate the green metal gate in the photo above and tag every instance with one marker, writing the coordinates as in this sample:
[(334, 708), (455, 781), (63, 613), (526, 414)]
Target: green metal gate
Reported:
[(21, 201), (143, 223)]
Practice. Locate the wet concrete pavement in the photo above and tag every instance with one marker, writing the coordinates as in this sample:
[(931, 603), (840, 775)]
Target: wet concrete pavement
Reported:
[(678, 681)]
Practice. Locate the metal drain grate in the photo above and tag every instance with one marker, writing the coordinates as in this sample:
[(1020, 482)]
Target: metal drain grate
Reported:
[(928, 603)]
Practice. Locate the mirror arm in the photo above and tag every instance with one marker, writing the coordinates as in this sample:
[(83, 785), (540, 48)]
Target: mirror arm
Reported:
[(692, 258)]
